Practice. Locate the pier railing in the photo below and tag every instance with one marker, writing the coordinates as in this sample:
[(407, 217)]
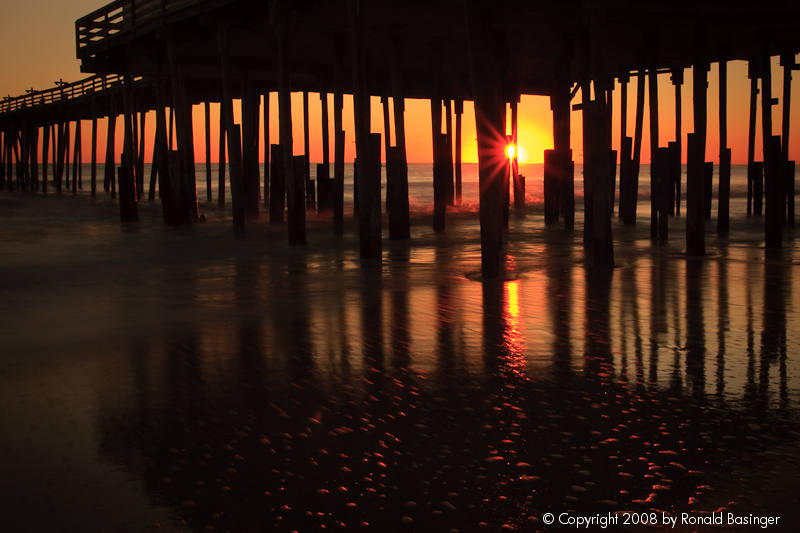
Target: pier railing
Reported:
[(94, 30), (64, 92)]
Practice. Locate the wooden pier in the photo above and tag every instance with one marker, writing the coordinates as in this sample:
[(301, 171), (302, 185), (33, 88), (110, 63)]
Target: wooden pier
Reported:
[(168, 55)]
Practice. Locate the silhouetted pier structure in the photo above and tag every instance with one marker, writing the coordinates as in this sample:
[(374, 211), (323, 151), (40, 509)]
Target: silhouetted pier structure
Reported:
[(171, 54)]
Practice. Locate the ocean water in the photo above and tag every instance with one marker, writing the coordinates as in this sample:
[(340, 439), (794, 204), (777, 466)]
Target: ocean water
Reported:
[(183, 379), (420, 185)]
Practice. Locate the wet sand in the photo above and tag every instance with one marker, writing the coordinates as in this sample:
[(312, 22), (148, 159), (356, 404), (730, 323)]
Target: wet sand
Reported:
[(182, 379)]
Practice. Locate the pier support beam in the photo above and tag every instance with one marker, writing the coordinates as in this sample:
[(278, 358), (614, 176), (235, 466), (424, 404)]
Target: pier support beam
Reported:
[(128, 205), (753, 199), (723, 211), (597, 172), (295, 181), (677, 154), (775, 198), (267, 149), (637, 149), (324, 184), (277, 185), (459, 110), (207, 124), (652, 85), (518, 180), (368, 146), (93, 170), (399, 225), (439, 171), (185, 136), (310, 197), (563, 201), (221, 158), (338, 158), (696, 146), (484, 55), (448, 149), (251, 177), (787, 176), (233, 136), (76, 158)]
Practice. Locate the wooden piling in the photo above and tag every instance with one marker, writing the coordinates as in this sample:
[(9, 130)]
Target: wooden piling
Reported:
[(386, 145), (484, 53), (207, 124), (67, 138), (45, 152), (221, 158), (128, 211), (677, 156), (695, 239), (184, 132), (369, 214), (399, 224), (758, 188), (310, 200), (751, 141), (664, 185), (110, 150), (459, 110), (626, 188), (324, 184), (232, 134), (448, 149), (708, 180), (277, 185), (439, 185), (595, 117), (652, 77), (724, 194), (623, 133), (550, 185), (267, 148), (93, 170), (76, 153), (637, 147), (564, 201), (774, 208), (250, 172), (294, 177), (519, 188), (140, 155), (787, 176), (338, 163)]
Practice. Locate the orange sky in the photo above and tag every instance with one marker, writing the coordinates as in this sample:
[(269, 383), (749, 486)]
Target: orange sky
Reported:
[(49, 54)]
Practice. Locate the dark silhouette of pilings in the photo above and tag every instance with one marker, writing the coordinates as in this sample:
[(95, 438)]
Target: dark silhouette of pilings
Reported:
[(773, 216), (655, 172), (630, 211), (484, 52), (787, 176), (368, 146), (459, 110), (695, 237), (677, 151), (439, 166), (723, 213), (397, 183), (207, 124), (753, 182), (596, 171), (251, 177)]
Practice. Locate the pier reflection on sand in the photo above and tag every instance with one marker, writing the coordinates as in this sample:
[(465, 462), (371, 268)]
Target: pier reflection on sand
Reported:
[(186, 379)]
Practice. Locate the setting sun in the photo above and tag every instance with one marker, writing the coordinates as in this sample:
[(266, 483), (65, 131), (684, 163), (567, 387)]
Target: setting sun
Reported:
[(510, 151)]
